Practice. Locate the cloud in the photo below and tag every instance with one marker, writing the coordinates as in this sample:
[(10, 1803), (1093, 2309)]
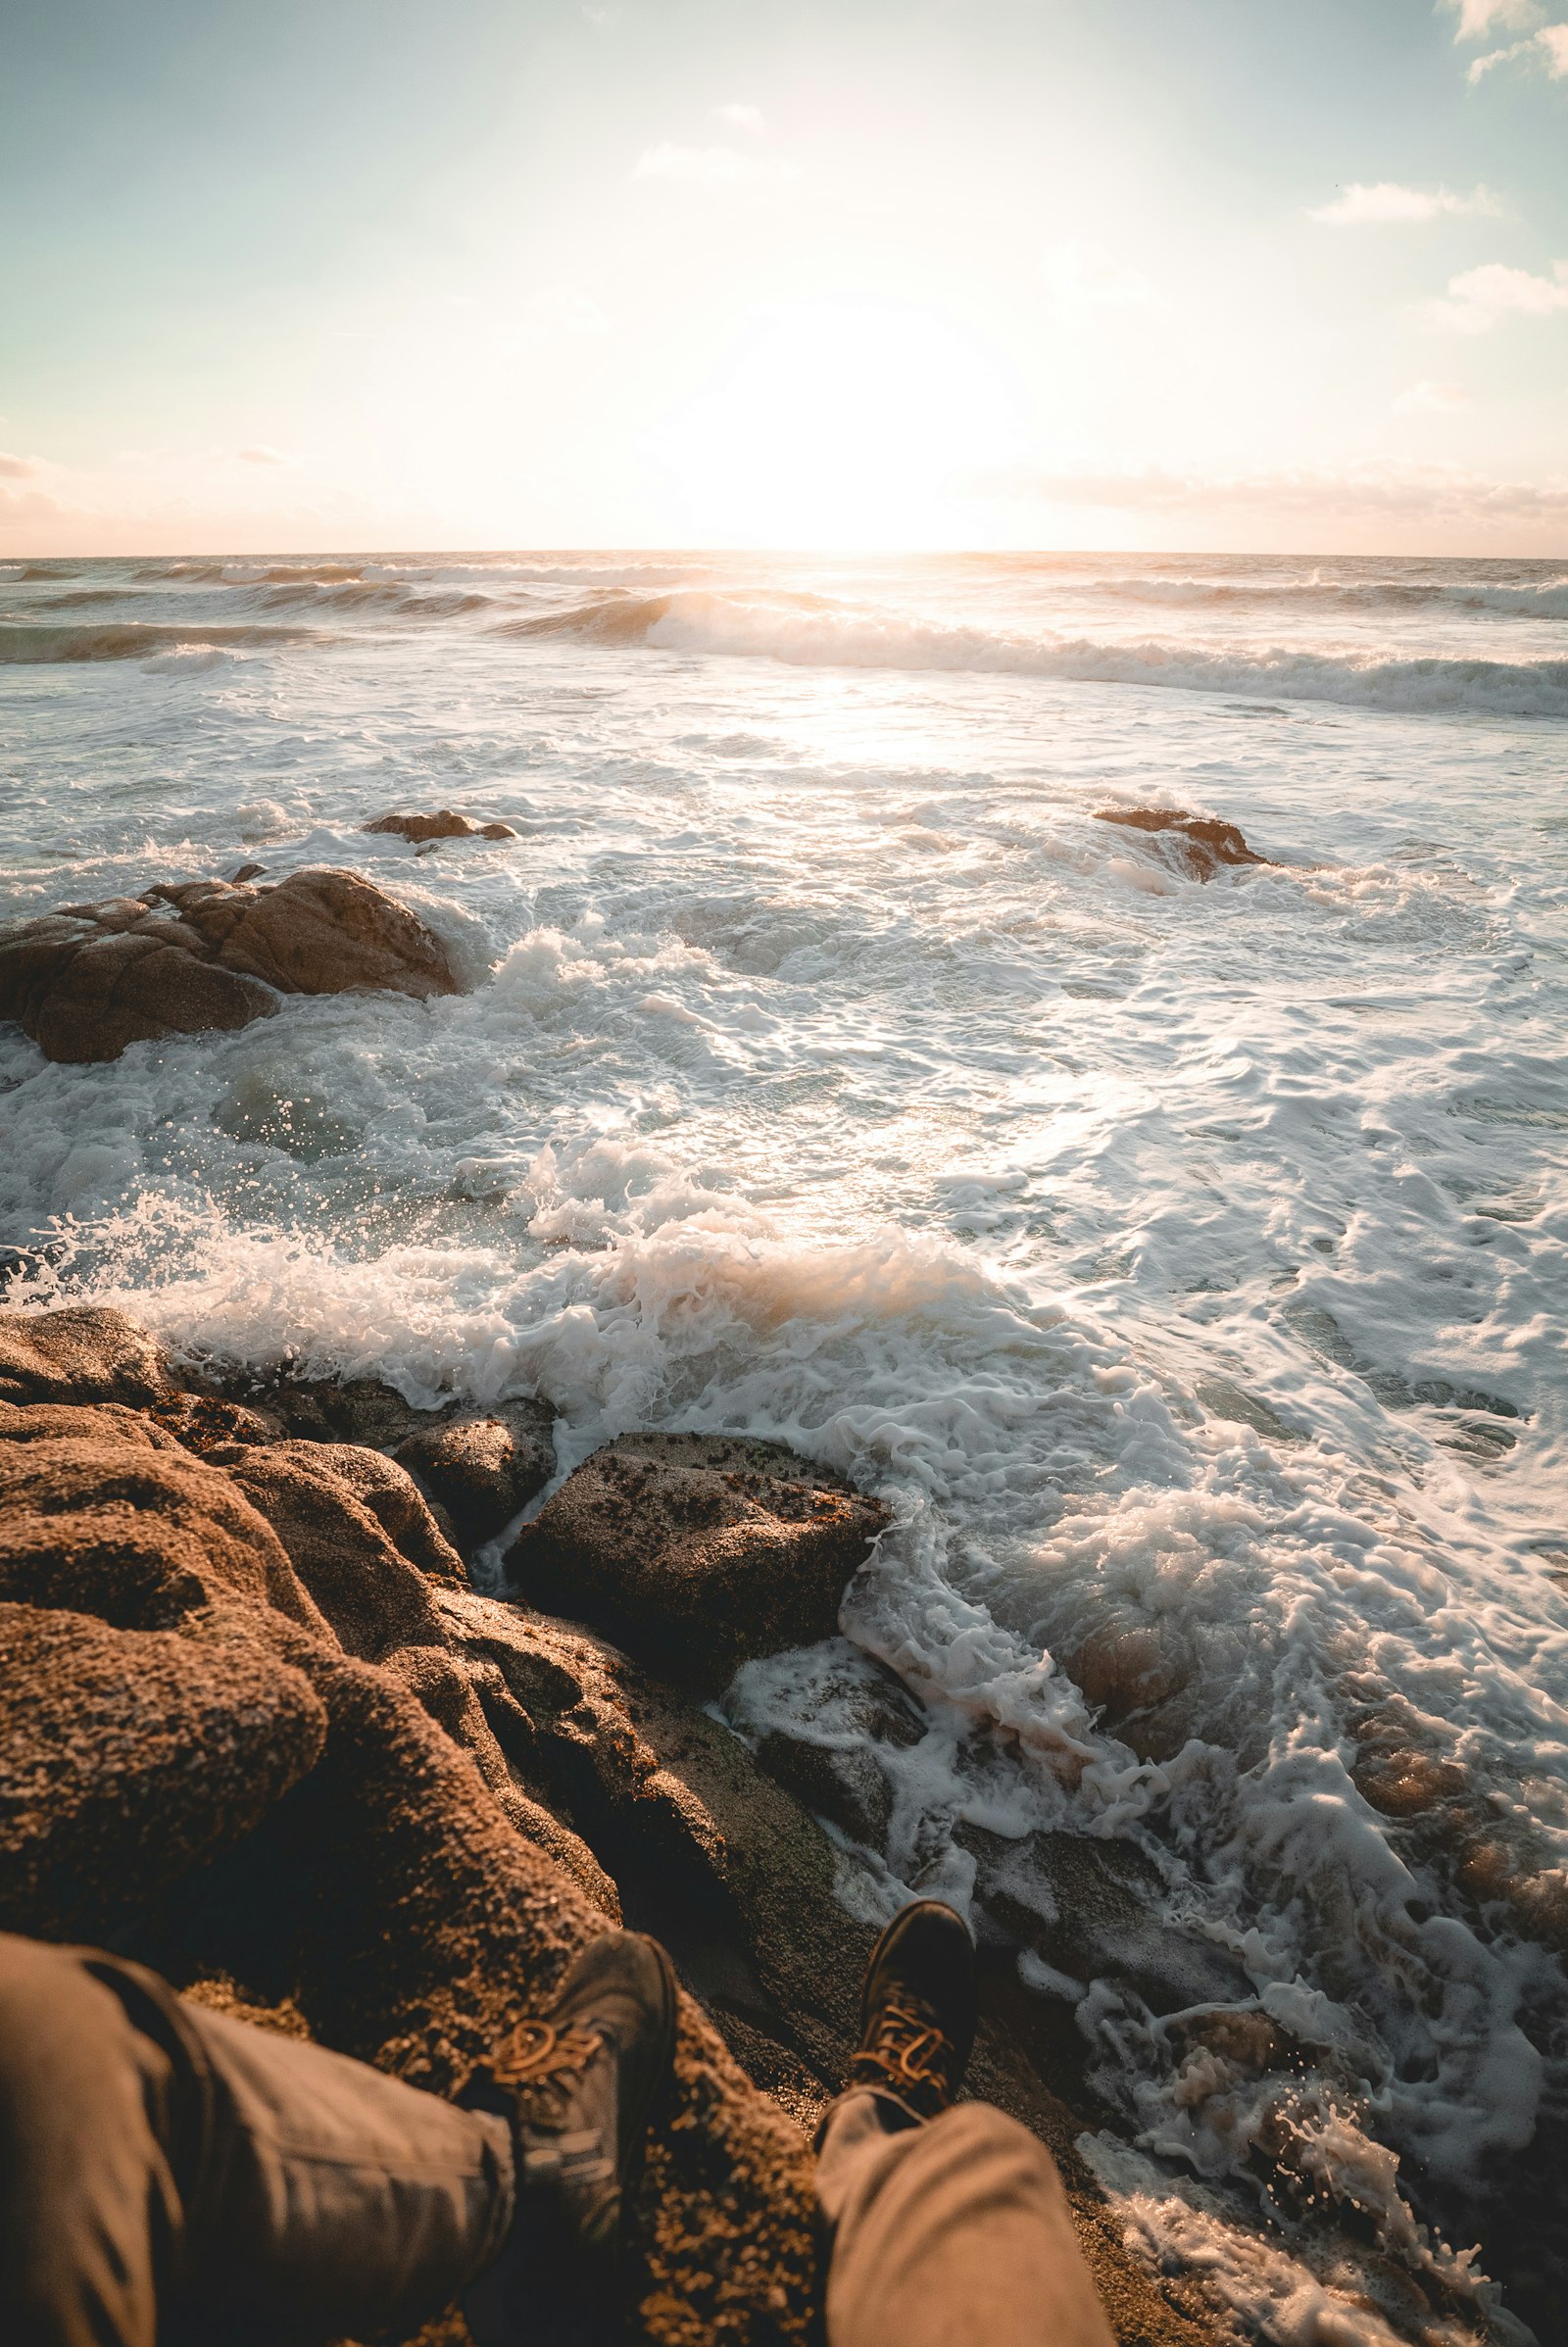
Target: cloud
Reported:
[(742, 117), (711, 166), (1546, 48), (1383, 201), (1478, 298), (1478, 16), (1375, 490), (19, 506), (554, 310), (261, 453), (1086, 276), (1427, 398), (18, 469)]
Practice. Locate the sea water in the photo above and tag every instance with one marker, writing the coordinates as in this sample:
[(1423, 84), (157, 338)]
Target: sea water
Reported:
[(1183, 1261)]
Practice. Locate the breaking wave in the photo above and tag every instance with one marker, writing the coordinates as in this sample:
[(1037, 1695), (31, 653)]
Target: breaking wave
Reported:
[(134, 640), (813, 632)]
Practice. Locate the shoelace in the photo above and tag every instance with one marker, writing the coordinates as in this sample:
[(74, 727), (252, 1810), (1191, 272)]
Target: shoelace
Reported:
[(538, 2066), (909, 2056)]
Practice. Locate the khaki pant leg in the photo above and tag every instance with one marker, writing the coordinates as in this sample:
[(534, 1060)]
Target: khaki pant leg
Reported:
[(956, 2233), (166, 2173)]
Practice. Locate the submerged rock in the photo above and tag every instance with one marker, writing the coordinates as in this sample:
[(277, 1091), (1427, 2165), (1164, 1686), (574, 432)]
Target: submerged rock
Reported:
[(188, 957), (444, 825), (699, 1550), (1201, 844)]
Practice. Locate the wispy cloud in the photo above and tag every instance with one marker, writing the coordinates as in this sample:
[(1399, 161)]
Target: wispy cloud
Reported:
[(711, 167), (1374, 489), (742, 117), (1478, 17), (1478, 299), (18, 469), (1427, 398), (554, 310), (1546, 49), (1086, 276), (1383, 201), (261, 453)]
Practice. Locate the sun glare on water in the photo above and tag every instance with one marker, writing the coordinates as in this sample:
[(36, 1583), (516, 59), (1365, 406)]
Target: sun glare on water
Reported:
[(837, 425)]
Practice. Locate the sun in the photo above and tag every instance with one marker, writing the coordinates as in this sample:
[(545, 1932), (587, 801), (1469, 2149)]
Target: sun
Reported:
[(837, 425)]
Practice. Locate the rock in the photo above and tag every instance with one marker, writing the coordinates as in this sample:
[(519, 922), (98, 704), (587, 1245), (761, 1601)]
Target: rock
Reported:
[(140, 1537), (443, 826), (331, 1409), (127, 1757), (104, 1422), (697, 1550), (206, 1422), (374, 1596), (1200, 844), (484, 1470), (393, 1499), (85, 1353), (1096, 1910), (192, 956)]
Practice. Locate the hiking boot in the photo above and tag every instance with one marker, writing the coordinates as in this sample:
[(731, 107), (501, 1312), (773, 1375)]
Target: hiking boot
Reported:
[(579, 2087), (918, 2010)]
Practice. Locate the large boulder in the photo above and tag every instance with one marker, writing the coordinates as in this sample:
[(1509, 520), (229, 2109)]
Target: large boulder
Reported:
[(190, 956), (697, 1550), (484, 1469), (128, 1756), (1196, 846)]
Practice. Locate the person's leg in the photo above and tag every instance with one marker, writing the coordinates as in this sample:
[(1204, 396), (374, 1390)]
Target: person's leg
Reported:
[(953, 2231), (948, 2223), (163, 2167)]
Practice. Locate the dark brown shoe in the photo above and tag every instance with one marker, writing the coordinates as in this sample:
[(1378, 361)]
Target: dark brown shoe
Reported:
[(579, 2087), (918, 2010)]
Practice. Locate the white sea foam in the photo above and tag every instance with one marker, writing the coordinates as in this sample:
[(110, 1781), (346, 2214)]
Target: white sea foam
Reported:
[(1185, 1263)]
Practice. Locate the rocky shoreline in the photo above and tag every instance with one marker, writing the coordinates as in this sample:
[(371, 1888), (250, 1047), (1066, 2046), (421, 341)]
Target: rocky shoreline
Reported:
[(264, 1734)]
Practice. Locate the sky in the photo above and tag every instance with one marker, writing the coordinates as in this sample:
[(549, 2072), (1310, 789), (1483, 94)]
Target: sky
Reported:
[(366, 274)]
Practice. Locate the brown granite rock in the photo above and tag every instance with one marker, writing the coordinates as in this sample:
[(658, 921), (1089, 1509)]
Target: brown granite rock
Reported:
[(484, 1469), (392, 1497), (697, 1550), (1200, 843), (191, 957), (444, 825), (128, 1756), (84, 1353), (375, 1597), (139, 1537), (100, 1422), (207, 1422)]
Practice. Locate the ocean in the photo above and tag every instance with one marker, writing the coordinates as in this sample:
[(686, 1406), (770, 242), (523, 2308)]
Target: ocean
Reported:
[(1185, 1261)]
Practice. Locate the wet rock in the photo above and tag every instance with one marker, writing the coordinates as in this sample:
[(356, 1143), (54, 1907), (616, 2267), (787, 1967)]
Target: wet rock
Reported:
[(1096, 1910), (484, 1470), (194, 956), (202, 1423), (825, 1738), (127, 1757), (331, 1410), (85, 1353), (444, 825), (374, 1596), (1199, 845), (697, 1550)]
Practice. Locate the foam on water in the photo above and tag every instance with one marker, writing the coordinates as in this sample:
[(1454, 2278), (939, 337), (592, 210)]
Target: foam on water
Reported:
[(1184, 1264)]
